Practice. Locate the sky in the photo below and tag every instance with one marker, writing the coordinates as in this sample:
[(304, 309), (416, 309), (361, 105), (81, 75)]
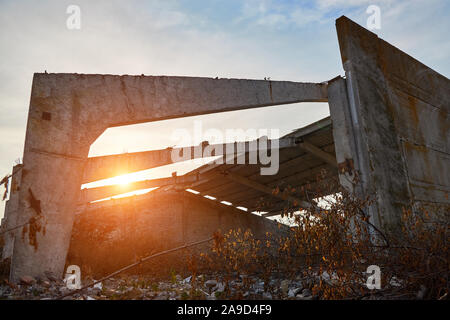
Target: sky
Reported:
[(291, 40)]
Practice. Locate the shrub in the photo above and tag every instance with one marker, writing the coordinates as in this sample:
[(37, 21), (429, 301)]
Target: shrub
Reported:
[(332, 243)]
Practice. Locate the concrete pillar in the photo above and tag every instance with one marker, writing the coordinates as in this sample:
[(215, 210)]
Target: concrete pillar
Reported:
[(350, 156)]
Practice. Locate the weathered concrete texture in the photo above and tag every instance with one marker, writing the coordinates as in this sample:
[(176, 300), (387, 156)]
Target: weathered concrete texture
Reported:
[(112, 234), (399, 128), (347, 155), (69, 111)]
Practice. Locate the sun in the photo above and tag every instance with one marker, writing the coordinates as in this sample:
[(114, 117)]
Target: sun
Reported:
[(122, 180)]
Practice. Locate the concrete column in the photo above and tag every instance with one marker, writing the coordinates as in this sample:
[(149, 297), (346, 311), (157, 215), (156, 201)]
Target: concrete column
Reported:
[(348, 145), (42, 245)]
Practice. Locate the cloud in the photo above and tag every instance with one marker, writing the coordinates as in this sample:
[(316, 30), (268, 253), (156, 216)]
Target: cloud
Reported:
[(274, 19), (279, 14)]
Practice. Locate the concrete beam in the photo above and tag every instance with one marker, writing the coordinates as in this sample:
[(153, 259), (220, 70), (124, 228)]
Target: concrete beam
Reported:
[(319, 153), (271, 214), (313, 127), (296, 181), (103, 167), (260, 187)]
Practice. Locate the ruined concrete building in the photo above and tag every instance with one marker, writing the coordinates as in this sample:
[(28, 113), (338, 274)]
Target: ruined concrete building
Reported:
[(389, 121)]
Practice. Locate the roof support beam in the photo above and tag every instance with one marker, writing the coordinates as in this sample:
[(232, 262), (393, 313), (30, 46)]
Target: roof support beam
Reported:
[(260, 187), (319, 153), (271, 214), (276, 206), (306, 177)]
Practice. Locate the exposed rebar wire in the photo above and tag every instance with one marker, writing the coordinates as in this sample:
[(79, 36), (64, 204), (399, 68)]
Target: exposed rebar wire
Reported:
[(17, 227), (5, 181), (133, 265)]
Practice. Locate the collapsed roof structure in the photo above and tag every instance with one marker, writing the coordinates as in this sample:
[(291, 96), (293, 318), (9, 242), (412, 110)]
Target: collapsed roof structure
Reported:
[(389, 122)]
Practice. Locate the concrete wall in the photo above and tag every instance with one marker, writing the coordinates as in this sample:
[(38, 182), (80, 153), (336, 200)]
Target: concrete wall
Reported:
[(391, 120), (116, 233)]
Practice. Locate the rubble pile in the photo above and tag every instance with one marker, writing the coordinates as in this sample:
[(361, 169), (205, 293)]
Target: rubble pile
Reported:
[(209, 287)]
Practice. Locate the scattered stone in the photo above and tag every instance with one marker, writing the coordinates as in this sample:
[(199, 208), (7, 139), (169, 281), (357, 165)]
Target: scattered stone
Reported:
[(187, 280), (98, 286), (50, 276), (94, 291), (162, 296), (220, 287), (329, 279), (64, 290), (210, 283), (284, 287), (395, 282), (325, 276), (211, 288), (421, 293), (293, 292), (267, 296), (306, 292), (27, 280), (210, 296)]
